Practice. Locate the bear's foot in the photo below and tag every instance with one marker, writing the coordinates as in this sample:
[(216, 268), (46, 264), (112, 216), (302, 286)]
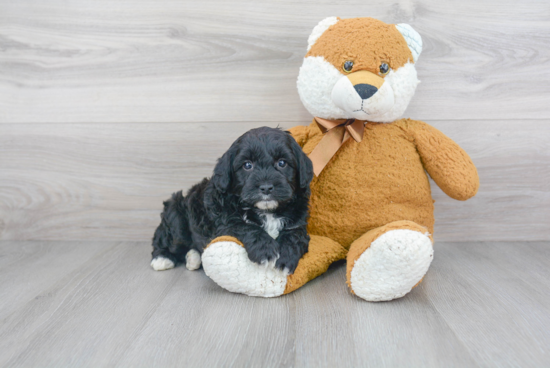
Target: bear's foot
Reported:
[(226, 262), (392, 264)]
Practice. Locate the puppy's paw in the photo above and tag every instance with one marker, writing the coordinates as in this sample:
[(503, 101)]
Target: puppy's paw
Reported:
[(192, 260), (287, 263), (228, 265), (265, 254), (293, 244), (161, 264)]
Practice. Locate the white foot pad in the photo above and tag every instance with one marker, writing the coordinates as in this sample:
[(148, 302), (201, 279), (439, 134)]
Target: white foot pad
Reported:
[(161, 264), (192, 260), (392, 265), (227, 264)]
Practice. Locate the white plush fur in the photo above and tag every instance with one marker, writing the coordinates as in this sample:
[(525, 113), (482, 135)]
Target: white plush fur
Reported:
[(392, 265), (316, 80), (403, 82), (346, 97), (319, 29), (162, 264), (192, 260), (327, 93), (272, 225), (227, 264), (414, 41)]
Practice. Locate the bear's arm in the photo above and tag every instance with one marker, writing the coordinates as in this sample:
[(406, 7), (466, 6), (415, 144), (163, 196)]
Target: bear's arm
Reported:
[(448, 164)]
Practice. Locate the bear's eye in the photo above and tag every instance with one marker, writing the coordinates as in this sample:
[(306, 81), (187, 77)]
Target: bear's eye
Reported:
[(248, 166), (384, 68), (281, 163), (348, 66)]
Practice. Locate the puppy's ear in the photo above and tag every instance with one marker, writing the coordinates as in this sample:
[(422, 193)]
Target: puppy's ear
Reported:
[(304, 166), (221, 179)]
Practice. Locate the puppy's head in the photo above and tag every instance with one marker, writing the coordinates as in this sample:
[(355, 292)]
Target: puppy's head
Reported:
[(265, 167)]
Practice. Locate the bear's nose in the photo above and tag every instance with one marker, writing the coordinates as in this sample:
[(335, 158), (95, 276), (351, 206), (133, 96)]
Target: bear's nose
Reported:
[(266, 188), (365, 90)]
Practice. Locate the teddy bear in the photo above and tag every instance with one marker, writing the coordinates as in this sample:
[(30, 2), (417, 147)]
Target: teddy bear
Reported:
[(371, 201)]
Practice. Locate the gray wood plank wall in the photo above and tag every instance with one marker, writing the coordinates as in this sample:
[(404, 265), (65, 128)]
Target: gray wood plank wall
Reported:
[(107, 107)]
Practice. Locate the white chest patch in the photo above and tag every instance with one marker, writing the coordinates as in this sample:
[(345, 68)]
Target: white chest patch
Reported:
[(272, 225)]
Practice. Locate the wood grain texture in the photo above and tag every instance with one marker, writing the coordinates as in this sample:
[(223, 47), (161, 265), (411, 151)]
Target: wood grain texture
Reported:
[(481, 304), (56, 260), (105, 181), (107, 108), (507, 286), (189, 61)]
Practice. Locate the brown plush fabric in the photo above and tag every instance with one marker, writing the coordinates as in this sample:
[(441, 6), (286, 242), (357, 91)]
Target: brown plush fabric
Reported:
[(363, 76), (366, 43), (448, 165), (322, 253), (382, 178), (301, 134), (225, 238), (363, 243), (380, 183)]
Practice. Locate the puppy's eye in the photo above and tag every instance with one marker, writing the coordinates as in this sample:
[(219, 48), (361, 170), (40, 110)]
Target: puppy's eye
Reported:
[(248, 166), (384, 68), (348, 66), (281, 163)]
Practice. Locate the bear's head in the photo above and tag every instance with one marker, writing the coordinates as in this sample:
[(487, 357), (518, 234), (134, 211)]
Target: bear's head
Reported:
[(359, 68)]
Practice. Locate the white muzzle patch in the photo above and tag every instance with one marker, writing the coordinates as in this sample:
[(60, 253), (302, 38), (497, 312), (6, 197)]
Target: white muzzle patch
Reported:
[(346, 97), (267, 205)]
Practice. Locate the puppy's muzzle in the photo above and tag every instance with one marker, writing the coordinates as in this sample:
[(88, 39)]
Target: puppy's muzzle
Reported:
[(266, 192), (266, 189)]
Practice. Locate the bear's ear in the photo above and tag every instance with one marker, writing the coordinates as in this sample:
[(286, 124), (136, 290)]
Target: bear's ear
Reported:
[(319, 29), (414, 41)]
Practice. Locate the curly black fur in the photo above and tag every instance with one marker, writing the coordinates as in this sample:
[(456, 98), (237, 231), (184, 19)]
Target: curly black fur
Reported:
[(262, 167)]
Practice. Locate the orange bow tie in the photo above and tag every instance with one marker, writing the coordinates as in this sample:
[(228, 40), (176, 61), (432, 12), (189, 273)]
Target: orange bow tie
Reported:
[(336, 133)]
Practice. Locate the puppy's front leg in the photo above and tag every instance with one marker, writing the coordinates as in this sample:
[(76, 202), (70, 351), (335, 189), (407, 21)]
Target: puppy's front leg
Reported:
[(293, 244), (261, 247)]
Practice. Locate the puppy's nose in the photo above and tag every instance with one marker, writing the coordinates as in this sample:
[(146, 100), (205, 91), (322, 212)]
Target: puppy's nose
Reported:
[(365, 90), (266, 188)]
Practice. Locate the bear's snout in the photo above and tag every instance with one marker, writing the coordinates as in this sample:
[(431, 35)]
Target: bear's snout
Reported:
[(362, 94), (365, 90)]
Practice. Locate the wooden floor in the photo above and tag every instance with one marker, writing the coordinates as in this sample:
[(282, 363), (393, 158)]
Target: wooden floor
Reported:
[(96, 304)]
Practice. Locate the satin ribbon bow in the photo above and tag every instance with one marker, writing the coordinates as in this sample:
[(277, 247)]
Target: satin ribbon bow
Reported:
[(336, 133)]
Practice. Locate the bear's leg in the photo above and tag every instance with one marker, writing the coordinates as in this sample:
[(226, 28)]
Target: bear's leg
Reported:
[(226, 262), (387, 262)]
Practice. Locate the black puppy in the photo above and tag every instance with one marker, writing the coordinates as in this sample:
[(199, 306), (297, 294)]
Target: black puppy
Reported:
[(259, 194)]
